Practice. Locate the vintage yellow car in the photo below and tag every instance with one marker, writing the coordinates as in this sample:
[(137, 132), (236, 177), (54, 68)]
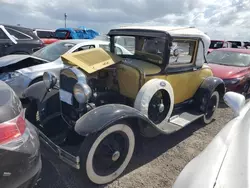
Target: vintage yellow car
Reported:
[(104, 98)]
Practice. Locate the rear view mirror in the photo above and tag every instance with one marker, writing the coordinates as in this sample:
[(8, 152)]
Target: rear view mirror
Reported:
[(235, 101)]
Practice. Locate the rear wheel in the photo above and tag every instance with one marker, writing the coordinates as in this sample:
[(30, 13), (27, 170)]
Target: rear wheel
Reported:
[(211, 107), (105, 155)]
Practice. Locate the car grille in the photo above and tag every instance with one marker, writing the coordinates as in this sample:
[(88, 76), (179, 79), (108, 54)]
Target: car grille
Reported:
[(67, 81)]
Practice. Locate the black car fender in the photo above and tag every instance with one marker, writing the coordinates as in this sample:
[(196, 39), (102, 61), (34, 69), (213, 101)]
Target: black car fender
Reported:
[(46, 102), (106, 115), (208, 86), (35, 91), (39, 92)]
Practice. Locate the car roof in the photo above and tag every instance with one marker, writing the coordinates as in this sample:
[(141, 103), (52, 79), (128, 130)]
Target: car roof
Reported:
[(17, 27), (174, 31), (239, 50), (39, 29)]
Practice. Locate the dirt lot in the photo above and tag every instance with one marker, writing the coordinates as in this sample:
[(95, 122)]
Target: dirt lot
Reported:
[(156, 163)]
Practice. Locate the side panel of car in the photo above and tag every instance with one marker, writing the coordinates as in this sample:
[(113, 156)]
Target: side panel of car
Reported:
[(5, 42), (185, 84), (106, 115)]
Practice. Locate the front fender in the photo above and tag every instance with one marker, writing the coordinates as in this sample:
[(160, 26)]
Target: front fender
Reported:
[(35, 91), (103, 116)]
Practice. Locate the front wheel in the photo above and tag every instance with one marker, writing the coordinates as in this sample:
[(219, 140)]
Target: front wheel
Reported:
[(105, 155), (211, 107)]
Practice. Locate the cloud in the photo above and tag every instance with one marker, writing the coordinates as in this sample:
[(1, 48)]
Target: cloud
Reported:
[(221, 19)]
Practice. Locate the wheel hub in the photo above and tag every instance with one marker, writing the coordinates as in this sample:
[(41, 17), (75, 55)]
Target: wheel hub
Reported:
[(161, 107), (116, 156)]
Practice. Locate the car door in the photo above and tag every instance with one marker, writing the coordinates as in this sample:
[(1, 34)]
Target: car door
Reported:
[(5, 41)]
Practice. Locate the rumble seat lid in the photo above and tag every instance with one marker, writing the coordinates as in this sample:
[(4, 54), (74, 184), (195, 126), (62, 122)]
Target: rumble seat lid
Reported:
[(91, 60)]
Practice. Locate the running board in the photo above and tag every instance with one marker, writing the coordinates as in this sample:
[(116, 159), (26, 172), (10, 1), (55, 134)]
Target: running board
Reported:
[(179, 121)]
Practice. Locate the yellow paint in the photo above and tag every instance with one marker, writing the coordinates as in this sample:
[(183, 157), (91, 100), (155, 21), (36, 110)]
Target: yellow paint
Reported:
[(129, 77), (91, 60), (185, 84)]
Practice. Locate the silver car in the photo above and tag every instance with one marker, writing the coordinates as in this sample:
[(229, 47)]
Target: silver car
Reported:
[(21, 71), (225, 161)]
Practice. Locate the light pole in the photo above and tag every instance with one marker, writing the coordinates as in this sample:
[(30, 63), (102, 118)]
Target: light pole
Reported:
[(65, 19)]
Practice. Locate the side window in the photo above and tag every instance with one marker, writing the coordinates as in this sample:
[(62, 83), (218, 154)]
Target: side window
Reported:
[(84, 48), (105, 47), (18, 35), (182, 52), (3, 35)]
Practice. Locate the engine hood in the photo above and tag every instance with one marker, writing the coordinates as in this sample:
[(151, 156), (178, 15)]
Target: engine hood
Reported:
[(12, 59), (225, 72), (225, 161), (91, 60)]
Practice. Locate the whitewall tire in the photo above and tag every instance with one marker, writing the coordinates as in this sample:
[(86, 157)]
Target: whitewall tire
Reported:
[(96, 154), (147, 93)]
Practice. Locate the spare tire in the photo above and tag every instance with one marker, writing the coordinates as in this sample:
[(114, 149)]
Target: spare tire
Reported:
[(156, 101)]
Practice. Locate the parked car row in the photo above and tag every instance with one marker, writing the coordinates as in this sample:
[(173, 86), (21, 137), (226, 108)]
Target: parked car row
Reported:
[(216, 44), (21, 40), (101, 95)]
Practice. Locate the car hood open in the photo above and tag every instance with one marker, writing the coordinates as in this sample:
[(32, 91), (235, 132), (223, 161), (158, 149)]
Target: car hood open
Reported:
[(12, 59), (91, 60)]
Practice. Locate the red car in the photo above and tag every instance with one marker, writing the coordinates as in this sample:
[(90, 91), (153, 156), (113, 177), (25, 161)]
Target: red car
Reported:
[(46, 35), (233, 66), (216, 44)]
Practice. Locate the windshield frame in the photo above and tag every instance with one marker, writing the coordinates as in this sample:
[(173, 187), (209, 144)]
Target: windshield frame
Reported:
[(231, 52), (166, 37)]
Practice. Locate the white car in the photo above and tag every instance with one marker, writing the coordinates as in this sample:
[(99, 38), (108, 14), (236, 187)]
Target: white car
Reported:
[(21, 71), (224, 163)]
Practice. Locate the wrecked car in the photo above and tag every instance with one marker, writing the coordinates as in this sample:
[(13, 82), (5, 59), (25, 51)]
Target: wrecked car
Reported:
[(103, 101), (21, 71)]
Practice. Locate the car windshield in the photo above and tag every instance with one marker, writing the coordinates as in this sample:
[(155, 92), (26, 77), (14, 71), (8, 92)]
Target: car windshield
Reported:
[(53, 51), (216, 44), (229, 58), (61, 34), (150, 49)]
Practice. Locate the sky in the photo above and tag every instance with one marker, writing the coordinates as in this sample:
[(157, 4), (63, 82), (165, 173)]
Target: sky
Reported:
[(220, 19)]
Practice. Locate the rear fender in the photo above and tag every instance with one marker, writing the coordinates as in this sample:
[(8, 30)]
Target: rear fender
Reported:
[(208, 86), (106, 115)]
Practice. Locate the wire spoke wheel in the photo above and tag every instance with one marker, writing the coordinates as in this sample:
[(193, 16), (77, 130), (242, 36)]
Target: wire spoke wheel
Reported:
[(212, 105), (159, 106), (104, 156)]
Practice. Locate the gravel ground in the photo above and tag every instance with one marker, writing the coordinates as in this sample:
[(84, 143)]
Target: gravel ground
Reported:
[(156, 163)]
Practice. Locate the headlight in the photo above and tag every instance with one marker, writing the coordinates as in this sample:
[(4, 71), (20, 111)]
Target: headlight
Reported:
[(9, 75), (82, 92), (232, 81), (49, 80)]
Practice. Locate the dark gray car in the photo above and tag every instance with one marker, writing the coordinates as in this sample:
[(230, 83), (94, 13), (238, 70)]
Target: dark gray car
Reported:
[(18, 40)]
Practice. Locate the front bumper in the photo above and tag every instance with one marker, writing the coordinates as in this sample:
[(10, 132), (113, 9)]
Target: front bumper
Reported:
[(65, 156), (235, 87), (23, 165)]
